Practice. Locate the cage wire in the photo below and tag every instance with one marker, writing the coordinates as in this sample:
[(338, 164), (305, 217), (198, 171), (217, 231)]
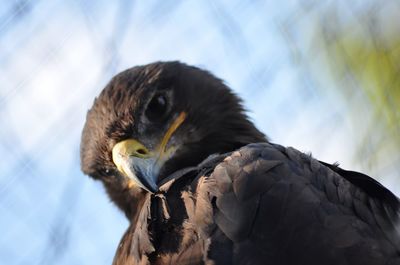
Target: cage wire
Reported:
[(321, 76)]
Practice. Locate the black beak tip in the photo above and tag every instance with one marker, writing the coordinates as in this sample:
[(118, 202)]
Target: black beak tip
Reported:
[(148, 186), (151, 189)]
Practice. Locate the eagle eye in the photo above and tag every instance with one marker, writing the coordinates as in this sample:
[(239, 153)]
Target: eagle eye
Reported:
[(157, 108)]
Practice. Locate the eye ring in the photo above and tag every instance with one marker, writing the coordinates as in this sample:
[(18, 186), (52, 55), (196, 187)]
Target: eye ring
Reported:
[(157, 108)]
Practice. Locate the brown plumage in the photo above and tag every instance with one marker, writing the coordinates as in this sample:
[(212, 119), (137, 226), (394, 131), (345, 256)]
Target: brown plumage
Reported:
[(223, 197)]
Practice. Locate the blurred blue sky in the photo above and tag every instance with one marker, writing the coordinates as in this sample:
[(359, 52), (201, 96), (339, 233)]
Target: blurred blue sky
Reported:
[(56, 56)]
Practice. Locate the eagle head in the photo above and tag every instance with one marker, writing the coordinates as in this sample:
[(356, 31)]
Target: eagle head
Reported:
[(153, 120)]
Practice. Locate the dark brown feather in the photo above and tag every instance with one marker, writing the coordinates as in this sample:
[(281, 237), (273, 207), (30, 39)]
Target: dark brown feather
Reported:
[(294, 215)]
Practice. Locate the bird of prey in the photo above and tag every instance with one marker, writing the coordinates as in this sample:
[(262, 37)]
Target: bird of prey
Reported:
[(200, 184)]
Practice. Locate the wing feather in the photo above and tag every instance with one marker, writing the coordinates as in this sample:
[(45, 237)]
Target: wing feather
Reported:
[(280, 206)]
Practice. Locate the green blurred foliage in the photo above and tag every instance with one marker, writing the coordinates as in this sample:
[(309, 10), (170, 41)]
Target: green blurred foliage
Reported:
[(372, 63)]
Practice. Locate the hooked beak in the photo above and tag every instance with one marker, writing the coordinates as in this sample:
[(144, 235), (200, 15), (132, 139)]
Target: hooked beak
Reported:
[(142, 165)]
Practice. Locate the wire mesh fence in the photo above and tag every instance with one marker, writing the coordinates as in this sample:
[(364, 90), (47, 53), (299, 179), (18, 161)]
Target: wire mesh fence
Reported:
[(317, 75)]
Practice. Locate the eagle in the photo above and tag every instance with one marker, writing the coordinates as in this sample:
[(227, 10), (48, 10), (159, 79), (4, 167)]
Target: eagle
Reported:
[(200, 184)]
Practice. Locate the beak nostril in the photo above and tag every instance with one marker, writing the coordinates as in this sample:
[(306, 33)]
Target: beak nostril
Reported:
[(141, 151)]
